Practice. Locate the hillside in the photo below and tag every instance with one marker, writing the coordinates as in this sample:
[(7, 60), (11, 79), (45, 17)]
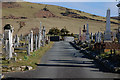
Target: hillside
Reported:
[(50, 16)]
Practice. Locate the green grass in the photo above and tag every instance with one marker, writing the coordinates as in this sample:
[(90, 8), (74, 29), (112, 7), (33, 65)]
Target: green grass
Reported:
[(29, 60)]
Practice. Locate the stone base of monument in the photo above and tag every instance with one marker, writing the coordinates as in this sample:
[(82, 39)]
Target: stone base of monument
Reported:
[(107, 37)]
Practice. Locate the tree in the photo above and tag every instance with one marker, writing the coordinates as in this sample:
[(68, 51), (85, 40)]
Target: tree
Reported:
[(54, 31), (64, 31), (72, 34)]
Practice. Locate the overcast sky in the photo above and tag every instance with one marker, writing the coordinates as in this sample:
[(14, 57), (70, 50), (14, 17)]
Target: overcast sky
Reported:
[(93, 7)]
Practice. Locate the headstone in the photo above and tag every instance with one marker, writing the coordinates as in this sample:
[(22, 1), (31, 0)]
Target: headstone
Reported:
[(6, 47), (107, 36), (31, 41), (91, 36), (36, 40), (98, 37), (43, 36), (114, 36), (118, 35), (118, 5), (17, 40), (10, 45), (39, 37), (8, 36), (87, 34), (28, 49), (26, 38)]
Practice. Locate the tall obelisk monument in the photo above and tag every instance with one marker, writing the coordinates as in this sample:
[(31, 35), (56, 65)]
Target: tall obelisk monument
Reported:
[(107, 35)]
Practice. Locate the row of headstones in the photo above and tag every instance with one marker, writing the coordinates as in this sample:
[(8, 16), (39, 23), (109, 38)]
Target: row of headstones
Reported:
[(37, 40), (87, 35), (99, 36), (10, 43), (107, 34), (33, 41)]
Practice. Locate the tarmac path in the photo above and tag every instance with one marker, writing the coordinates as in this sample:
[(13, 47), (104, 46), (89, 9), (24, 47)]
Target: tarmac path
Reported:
[(64, 61)]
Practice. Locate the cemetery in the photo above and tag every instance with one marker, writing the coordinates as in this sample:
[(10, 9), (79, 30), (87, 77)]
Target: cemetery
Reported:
[(103, 47), (23, 52)]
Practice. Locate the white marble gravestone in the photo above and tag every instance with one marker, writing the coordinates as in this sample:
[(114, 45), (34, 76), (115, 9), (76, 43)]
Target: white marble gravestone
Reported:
[(79, 34), (31, 41), (39, 37), (43, 36), (8, 37), (28, 48), (118, 35), (95, 37)]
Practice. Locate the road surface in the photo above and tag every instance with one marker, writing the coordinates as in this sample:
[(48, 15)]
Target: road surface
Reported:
[(64, 61)]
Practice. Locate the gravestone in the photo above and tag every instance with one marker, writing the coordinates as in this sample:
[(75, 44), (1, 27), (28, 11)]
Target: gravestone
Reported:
[(80, 34), (114, 36), (107, 35), (6, 47), (69, 38), (8, 36), (118, 35), (17, 40), (91, 36), (36, 40), (47, 39), (43, 36), (39, 37), (28, 48), (21, 37), (84, 34), (98, 37), (95, 37), (31, 41), (87, 34)]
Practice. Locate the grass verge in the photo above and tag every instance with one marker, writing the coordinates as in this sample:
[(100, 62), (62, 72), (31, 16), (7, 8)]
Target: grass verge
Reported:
[(24, 60)]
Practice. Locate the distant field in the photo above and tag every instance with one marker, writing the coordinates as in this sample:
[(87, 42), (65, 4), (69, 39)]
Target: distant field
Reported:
[(61, 21)]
